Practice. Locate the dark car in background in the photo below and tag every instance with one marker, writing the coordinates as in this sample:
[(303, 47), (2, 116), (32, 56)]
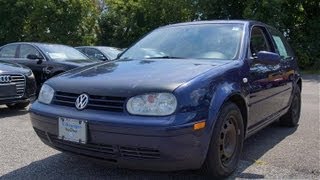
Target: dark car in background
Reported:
[(45, 60), (17, 85), (103, 53), (183, 97)]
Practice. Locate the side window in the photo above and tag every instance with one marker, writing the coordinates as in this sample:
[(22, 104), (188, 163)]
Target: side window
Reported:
[(281, 45), (8, 51), (26, 50), (258, 41), (82, 50), (94, 54)]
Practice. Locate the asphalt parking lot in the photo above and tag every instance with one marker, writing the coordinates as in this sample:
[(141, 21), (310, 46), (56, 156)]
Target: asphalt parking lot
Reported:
[(275, 152)]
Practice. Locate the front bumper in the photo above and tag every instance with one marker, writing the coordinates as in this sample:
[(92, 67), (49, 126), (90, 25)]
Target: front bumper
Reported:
[(129, 146), (18, 100)]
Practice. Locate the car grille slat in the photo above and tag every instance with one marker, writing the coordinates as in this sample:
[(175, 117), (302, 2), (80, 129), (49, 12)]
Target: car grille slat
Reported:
[(90, 147), (107, 100), (65, 103), (104, 106), (144, 153), (64, 96), (13, 79), (105, 103)]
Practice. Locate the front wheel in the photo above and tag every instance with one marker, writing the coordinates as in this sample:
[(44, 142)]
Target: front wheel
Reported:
[(291, 118), (18, 105), (226, 143)]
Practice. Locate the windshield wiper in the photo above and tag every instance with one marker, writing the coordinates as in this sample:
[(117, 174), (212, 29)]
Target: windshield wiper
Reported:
[(165, 57)]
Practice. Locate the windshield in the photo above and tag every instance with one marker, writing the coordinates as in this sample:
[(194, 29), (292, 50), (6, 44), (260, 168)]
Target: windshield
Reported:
[(204, 41), (110, 51), (62, 52)]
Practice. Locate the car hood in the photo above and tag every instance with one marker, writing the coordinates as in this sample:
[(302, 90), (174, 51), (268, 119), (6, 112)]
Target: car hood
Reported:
[(78, 63), (131, 77), (6, 67)]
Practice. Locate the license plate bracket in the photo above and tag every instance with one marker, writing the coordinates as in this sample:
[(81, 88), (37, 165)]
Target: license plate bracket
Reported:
[(8, 90), (73, 130)]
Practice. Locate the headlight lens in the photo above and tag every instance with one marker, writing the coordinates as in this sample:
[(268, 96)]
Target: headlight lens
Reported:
[(46, 94), (30, 74), (153, 104)]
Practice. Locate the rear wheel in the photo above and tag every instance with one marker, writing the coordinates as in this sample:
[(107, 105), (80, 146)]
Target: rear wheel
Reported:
[(18, 105), (291, 118), (226, 143)]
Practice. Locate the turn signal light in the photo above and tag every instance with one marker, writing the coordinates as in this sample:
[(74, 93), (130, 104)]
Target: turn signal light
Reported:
[(199, 125)]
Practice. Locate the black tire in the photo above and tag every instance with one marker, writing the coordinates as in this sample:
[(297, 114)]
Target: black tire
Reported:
[(18, 105), (291, 118), (226, 143)]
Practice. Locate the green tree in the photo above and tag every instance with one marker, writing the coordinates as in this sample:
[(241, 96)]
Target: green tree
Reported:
[(72, 22), (221, 9), (298, 20), (127, 20), (12, 17)]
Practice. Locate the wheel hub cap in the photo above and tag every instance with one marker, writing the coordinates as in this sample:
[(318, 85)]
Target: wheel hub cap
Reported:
[(228, 141)]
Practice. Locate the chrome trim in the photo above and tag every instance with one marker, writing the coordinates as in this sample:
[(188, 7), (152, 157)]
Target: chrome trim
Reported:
[(5, 78)]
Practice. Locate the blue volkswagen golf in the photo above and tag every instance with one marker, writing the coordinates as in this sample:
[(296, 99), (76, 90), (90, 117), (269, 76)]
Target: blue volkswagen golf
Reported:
[(185, 96)]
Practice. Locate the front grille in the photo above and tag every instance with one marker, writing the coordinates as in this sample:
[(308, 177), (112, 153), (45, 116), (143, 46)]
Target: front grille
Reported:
[(144, 153), (100, 150), (19, 82), (105, 103), (105, 149)]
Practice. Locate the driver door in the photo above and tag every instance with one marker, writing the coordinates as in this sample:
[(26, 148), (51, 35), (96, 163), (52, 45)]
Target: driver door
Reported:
[(264, 80)]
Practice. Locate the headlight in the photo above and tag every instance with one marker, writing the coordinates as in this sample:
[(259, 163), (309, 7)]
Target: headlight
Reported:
[(154, 104), (46, 94), (30, 74)]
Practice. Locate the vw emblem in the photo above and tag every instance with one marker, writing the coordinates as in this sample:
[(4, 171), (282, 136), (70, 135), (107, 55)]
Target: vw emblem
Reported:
[(5, 79), (82, 101)]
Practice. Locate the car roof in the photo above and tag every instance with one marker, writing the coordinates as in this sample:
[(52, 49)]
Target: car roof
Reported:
[(96, 47), (35, 43), (215, 22)]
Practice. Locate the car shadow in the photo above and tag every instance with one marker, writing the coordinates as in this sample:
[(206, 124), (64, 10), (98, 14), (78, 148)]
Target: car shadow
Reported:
[(65, 166), (260, 143), (7, 112)]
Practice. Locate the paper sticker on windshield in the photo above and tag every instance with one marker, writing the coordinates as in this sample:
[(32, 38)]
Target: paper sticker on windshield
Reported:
[(235, 29), (57, 55)]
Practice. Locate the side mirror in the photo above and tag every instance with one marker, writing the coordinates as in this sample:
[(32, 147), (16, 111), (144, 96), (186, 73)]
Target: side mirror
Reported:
[(267, 58), (35, 57)]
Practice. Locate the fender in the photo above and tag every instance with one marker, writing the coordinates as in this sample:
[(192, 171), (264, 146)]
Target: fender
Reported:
[(55, 71), (222, 93)]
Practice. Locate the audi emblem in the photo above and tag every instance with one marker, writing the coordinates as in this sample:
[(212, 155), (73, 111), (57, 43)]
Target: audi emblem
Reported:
[(82, 101), (5, 79)]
